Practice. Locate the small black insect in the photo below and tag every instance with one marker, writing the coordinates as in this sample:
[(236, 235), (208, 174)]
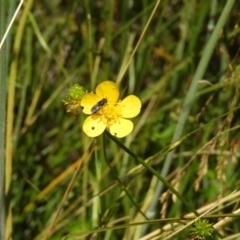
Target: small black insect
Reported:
[(99, 104)]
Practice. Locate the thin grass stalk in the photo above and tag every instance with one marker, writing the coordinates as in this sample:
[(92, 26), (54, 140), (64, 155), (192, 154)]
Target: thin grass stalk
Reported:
[(109, 38), (10, 115), (25, 83), (3, 38), (121, 185), (67, 192), (190, 97), (96, 206), (121, 74), (97, 61), (90, 41), (11, 11), (3, 79)]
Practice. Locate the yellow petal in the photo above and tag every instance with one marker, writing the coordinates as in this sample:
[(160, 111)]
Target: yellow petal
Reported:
[(88, 101), (122, 128), (93, 127), (109, 90), (130, 106)]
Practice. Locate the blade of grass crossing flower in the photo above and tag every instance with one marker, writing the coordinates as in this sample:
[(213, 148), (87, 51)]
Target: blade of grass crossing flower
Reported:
[(3, 78)]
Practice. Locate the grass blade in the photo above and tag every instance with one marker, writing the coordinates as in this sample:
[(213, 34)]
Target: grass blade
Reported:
[(3, 78), (189, 100)]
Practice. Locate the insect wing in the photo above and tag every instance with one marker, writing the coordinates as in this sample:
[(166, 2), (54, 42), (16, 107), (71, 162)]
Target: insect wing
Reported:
[(95, 109)]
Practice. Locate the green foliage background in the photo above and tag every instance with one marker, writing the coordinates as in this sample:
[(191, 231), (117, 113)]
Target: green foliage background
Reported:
[(85, 42)]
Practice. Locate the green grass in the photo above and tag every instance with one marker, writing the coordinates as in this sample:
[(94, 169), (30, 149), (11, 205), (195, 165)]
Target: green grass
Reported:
[(182, 159)]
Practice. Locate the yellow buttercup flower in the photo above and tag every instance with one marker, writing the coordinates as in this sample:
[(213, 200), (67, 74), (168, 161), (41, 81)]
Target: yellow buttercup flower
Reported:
[(107, 111)]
